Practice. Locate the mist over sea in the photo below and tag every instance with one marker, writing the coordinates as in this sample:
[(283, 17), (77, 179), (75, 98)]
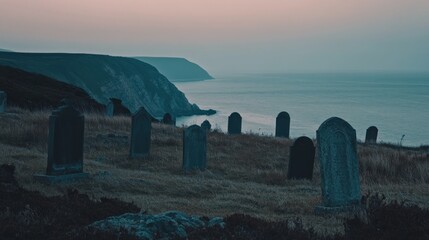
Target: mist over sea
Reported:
[(396, 103)]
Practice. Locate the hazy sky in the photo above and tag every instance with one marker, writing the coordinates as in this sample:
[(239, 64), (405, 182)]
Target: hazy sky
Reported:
[(230, 35)]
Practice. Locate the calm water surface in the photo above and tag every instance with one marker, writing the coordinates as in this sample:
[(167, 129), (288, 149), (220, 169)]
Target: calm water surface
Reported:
[(398, 104)]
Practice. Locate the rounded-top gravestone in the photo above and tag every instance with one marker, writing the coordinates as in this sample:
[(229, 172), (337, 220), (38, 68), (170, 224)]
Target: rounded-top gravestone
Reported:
[(141, 127), (234, 123), (194, 148), (169, 119), (339, 166), (206, 125), (301, 159), (371, 135), (282, 125)]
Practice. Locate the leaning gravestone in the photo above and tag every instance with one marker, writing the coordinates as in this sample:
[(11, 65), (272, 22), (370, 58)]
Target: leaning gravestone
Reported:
[(169, 119), (339, 167), (65, 145), (234, 123), (283, 125), (206, 125), (301, 159), (3, 100), (140, 134), (194, 148), (371, 135)]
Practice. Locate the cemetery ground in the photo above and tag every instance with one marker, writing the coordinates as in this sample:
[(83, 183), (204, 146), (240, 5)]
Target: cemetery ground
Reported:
[(246, 174)]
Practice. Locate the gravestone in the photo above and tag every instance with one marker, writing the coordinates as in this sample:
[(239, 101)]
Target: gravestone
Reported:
[(3, 101), (371, 135), (169, 119), (65, 145), (140, 134), (110, 109), (234, 123), (194, 148), (283, 125), (115, 108), (206, 125), (301, 159), (339, 167)]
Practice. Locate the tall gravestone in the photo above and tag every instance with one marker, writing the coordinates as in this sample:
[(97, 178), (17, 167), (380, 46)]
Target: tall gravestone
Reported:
[(169, 119), (371, 135), (140, 134), (110, 109), (283, 125), (339, 167), (301, 159), (3, 101), (65, 145), (234, 123), (206, 125), (194, 148)]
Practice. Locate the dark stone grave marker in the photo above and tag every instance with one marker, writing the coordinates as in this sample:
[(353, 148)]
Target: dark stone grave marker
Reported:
[(301, 159), (140, 134), (339, 167), (206, 125), (234, 123), (3, 101), (169, 119), (371, 135), (194, 148), (65, 145), (283, 125)]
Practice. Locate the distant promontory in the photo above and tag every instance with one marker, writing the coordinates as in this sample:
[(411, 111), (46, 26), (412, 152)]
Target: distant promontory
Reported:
[(177, 69)]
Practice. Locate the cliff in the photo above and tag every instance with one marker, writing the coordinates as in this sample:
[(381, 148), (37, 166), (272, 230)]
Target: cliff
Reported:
[(177, 69), (134, 82)]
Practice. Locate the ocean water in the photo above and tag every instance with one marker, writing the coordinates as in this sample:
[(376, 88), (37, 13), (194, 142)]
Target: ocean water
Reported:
[(396, 103)]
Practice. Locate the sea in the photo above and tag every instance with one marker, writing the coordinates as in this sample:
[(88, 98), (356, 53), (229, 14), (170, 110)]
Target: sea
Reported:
[(396, 103)]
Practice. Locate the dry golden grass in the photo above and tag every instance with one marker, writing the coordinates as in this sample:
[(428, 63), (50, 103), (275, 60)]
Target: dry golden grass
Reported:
[(246, 173)]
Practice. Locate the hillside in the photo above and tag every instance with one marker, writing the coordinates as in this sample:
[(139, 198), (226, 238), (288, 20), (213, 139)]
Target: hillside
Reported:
[(246, 173), (134, 82), (177, 69), (35, 91), (4, 50)]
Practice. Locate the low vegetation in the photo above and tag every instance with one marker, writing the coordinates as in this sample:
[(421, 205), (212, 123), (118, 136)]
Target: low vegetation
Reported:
[(246, 174)]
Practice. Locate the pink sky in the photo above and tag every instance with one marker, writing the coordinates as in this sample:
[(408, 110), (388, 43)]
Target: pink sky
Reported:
[(211, 32)]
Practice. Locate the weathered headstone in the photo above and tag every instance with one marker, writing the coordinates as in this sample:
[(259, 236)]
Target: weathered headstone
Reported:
[(234, 123), (206, 125), (169, 119), (140, 134), (194, 148), (283, 125), (116, 108), (110, 109), (371, 135), (339, 167), (65, 145), (301, 159), (3, 101)]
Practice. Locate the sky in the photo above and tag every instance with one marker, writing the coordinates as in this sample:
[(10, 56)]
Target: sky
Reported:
[(230, 36)]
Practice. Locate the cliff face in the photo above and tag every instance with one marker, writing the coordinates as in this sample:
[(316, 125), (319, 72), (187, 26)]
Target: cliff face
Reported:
[(177, 69), (102, 77)]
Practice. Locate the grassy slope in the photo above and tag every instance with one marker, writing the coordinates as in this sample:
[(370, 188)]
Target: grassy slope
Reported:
[(246, 174)]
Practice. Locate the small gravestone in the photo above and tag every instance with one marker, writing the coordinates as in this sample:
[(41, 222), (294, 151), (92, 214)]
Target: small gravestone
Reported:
[(140, 134), (110, 109), (206, 125), (339, 167), (282, 125), (301, 159), (65, 145), (371, 135), (169, 119), (194, 148), (3, 100), (234, 123)]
